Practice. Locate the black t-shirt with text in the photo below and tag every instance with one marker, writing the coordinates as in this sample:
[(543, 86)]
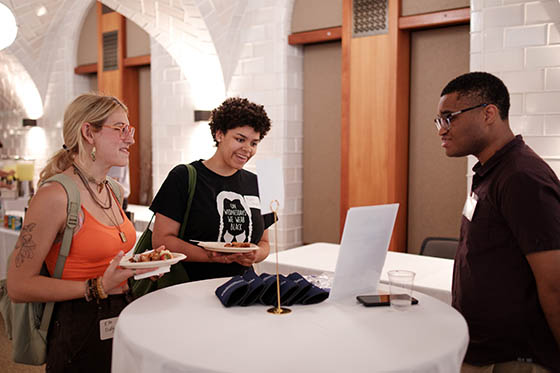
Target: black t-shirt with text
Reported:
[(224, 209)]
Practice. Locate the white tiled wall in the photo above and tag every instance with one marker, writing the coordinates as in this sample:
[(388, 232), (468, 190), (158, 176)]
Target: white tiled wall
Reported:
[(203, 51), (518, 41)]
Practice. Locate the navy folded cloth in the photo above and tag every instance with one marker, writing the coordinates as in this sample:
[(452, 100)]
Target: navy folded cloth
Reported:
[(250, 288), (287, 290), (303, 287), (233, 291), (269, 292), (256, 287), (314, 295)]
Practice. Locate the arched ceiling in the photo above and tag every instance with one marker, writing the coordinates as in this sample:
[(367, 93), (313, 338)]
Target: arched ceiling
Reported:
[(16, 86), (9, 102), (32, 27), (19, 61)]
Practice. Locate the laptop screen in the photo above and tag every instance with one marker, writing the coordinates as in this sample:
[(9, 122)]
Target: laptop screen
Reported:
[(365, 240)]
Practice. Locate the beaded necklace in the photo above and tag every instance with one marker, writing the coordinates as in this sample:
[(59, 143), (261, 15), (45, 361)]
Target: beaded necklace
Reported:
[(104, 184)]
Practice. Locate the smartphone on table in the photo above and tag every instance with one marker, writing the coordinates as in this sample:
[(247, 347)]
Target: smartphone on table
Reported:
[(378, 300)]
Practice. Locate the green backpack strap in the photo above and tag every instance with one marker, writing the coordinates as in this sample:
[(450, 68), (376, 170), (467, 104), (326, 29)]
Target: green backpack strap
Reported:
[(192, 187), (115, 187), (73, 209), (177, 274)]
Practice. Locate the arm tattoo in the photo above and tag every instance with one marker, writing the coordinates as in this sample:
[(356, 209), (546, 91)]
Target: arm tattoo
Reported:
[(25, 244)]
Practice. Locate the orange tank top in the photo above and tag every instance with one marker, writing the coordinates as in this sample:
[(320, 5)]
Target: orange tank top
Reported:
[(92, 248)]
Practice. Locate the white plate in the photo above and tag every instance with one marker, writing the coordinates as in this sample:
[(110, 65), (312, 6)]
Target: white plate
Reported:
[(221, 247), (126, 263)]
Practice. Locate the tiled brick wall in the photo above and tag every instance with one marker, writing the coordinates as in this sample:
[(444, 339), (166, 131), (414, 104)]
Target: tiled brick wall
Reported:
[(186, 75), (256, 62), (201, 54), (47, 51), (519, 41), (269, 72), (204, 50)]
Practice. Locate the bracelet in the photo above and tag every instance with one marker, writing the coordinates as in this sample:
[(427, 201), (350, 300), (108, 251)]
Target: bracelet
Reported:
[(87, 292), (100, 291), (94, 290)]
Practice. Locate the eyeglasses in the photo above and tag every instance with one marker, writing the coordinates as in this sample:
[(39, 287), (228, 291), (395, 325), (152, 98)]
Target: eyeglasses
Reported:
[(445, 122), (125, 130)]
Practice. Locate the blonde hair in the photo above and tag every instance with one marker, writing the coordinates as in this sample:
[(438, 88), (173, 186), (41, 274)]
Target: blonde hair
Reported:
[(93, 108)]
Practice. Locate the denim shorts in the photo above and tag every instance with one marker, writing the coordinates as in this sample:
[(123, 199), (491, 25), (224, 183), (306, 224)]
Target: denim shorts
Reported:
[(73, 341)]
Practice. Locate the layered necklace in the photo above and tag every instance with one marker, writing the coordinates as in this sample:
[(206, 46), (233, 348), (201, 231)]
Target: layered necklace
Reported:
[(86, 180)]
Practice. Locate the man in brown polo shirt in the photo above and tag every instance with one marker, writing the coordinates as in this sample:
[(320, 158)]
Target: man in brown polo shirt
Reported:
[(506, 280)]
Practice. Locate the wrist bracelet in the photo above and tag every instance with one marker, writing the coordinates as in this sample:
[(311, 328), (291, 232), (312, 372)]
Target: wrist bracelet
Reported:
[(100, 291), (94, 291), (87, 292)]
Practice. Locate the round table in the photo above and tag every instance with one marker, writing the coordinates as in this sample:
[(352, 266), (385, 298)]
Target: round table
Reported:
[(185, 328)]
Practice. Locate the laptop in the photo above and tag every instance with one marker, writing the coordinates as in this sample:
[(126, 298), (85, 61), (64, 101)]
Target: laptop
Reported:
[(365, 240)]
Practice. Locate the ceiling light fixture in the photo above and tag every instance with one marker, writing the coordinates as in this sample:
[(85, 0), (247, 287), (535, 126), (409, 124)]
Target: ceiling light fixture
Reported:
[(8, 27), (41, 11)]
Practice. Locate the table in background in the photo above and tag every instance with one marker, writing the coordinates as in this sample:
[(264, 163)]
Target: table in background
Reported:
[(185, 328), (433, 275), (142, 216), (8, 239)]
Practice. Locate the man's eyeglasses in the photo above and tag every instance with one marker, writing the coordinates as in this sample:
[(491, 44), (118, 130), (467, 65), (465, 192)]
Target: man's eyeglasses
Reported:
[(125, 130), (445, 121)]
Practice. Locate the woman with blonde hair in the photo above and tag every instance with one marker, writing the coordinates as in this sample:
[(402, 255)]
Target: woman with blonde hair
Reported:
[(97, 136)]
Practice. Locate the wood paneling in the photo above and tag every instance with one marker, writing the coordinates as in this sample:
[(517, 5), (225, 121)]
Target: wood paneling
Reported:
[(86, 69), (345, 111), (137, 61), (315, 36), (375, 120), (122, 83), (131, 98), (112, 21), (437, 19), (128, 62), (111, 82)]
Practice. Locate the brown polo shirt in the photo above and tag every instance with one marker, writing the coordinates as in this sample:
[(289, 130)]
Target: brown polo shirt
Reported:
[(517, 213)]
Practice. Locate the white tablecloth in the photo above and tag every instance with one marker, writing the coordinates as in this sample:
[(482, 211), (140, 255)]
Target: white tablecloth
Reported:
[(185, 328), (433, 275)]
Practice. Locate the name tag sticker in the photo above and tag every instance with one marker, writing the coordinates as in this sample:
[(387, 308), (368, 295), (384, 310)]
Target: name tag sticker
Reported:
[(107, 328), (253, 202), (470, 206)]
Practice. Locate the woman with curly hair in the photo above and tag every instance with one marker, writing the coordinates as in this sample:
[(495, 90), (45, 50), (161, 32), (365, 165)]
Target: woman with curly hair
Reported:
[(225, 206)]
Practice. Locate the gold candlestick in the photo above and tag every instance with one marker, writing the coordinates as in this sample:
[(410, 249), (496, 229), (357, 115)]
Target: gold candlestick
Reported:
[(278, 310)]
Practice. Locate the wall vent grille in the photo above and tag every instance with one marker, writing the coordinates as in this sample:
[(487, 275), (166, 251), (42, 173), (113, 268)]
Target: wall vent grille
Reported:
[(110, 48), (369, 17)]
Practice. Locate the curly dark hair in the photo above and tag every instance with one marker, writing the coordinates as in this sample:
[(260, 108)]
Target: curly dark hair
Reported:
[(483, 88), (238, 112)]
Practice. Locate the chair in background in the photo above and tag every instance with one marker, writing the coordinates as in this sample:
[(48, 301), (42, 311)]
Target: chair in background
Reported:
[(441, 247)]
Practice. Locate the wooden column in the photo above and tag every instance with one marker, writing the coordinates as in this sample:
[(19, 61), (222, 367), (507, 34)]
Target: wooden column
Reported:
[(120, 81), (375, 101)]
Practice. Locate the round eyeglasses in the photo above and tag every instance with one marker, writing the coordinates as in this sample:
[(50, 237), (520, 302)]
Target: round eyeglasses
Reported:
[(445, 121), (125, 130)]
